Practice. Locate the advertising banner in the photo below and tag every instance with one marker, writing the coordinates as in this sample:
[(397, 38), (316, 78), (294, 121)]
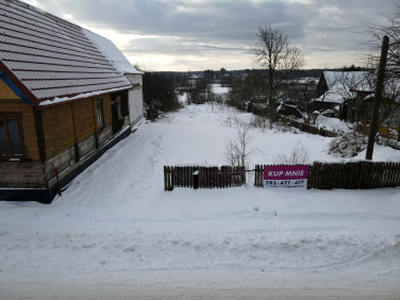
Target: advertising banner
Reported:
[(286, 176)]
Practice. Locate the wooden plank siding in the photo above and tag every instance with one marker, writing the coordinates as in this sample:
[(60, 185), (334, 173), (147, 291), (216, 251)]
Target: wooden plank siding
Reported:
[(84, 119), (68, 124), (57, 128), (6, 93)]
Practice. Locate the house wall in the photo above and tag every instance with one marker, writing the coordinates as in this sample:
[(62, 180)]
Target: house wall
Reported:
[(57, 128), (72, 135), (10, 102), (135, 97), (29, 172), (71, 123), (6, 93), (70, 140), (26, 174), (84, 118)]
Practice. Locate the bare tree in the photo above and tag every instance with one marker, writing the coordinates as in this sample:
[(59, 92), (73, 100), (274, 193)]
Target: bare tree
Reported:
[(237, 150), (392, 31), (280, 60)]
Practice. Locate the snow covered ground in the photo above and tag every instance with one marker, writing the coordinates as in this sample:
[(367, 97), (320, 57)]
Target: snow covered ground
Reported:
[(116, 233), (333, 124)]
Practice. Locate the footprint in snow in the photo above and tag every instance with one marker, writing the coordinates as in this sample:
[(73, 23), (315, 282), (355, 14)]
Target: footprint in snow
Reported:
[(129, 249)]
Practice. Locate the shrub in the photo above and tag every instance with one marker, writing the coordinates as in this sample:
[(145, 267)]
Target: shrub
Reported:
[(348, 144), (297, 156)]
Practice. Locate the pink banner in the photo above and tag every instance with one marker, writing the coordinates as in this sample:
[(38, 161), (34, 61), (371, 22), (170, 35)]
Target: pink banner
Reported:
[(286, 172)]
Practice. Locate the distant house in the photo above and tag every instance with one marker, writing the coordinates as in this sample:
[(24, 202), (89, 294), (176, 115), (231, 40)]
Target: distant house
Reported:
[(63, 102), (336, 89), (351, 95)]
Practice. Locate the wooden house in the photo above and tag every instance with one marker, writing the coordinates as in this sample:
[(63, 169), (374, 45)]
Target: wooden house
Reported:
[(335, 89), (351, 94), (63, 103), (389, 114)]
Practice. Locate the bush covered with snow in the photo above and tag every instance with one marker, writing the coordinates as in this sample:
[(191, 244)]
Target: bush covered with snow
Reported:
[(348, 144)]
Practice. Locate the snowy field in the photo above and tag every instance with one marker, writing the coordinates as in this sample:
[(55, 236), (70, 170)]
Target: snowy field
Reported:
[(116, 234)]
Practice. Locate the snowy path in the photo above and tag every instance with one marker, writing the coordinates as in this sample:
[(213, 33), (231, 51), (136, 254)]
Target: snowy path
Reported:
[(115, 229)]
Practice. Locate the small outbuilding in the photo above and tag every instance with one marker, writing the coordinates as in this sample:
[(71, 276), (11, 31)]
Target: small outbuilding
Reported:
[(63, 102)]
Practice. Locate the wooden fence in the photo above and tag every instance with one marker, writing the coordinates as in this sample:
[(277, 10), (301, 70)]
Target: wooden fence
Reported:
[(309, 128), (353, 175), (203, 177)]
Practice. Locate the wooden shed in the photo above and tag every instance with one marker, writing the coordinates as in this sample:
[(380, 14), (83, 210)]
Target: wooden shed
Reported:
[(63, 103)]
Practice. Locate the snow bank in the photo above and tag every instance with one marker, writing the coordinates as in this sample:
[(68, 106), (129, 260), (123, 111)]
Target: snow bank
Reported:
[(115, 224), (219, 89)]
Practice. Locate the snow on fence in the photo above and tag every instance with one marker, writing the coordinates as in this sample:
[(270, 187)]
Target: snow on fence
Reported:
[(203, 177), (352, 175)]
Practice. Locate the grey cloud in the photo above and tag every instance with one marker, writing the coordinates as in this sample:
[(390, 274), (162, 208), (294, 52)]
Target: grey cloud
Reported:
[(206, 27), (213, 19), (179, 47)]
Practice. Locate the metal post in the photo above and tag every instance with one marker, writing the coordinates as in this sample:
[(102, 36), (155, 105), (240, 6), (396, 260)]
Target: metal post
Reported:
[(377, 99)]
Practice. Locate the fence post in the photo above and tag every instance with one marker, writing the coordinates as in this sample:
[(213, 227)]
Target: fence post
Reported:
[(243, 175), (258, 175), (168, 178), (195, 179)]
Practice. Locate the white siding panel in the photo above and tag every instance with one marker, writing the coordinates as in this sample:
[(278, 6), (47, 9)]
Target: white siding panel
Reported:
[(135, 104)]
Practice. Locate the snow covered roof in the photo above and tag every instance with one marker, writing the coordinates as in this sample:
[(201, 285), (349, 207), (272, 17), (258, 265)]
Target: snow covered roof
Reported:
[(112, 53), (342, 85), (47, 57), (351, 78)]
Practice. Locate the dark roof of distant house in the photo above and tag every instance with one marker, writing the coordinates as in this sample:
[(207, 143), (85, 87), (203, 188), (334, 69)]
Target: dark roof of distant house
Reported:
[(51, 60)]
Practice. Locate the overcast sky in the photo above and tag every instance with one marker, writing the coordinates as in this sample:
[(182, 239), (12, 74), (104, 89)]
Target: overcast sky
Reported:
[(210, 34)]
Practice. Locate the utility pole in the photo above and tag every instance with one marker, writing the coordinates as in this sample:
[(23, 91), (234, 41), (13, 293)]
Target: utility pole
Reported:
[(377, 99)]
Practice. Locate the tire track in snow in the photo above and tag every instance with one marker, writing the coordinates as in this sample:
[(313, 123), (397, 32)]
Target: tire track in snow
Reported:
[(80, 255)]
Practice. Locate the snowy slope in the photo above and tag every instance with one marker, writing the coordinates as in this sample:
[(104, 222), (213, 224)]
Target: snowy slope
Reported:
[(116, 225)]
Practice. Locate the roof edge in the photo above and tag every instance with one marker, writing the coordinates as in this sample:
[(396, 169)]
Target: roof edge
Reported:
[(17, 86), (72, 98)]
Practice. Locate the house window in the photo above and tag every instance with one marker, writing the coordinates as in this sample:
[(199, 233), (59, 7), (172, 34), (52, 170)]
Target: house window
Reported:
[(100, 113), (11, 136)]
